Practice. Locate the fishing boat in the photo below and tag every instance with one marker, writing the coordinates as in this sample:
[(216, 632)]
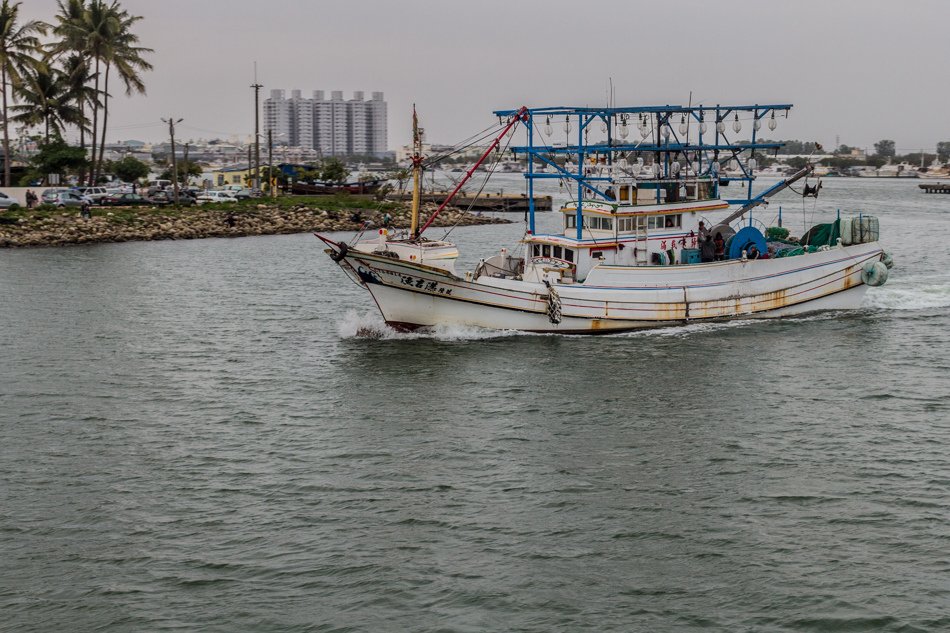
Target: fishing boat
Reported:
[(330, 189), (646, 240)]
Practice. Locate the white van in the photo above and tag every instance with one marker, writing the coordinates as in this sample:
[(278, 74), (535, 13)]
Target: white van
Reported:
[(96, 194), (159, 184), (215, 196)]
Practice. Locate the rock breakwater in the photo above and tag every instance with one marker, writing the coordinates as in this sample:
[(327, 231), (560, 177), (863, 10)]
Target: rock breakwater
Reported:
[(60, 228)]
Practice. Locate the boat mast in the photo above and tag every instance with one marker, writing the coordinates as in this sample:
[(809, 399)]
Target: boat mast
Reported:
[(416, 173)]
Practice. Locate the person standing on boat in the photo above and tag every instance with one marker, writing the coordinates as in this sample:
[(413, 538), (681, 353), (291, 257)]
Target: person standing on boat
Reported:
[(703, 232), (707, 250), (720, 247)]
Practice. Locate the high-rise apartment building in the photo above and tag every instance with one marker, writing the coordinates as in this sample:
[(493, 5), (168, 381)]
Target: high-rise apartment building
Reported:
[(333, 127)]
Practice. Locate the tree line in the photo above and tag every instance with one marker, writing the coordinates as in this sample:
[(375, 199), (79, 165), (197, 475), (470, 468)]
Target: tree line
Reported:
[(56, 75)]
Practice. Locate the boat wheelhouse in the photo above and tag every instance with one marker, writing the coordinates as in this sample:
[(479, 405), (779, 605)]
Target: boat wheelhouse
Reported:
[(645, 239)]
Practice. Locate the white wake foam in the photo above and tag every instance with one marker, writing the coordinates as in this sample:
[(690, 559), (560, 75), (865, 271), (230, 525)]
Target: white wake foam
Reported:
[(691, 328), (372, 326), (909, 297)]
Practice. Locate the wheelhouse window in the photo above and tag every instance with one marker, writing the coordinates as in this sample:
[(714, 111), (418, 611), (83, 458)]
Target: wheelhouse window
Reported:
[(546, 250), (570, 221), (557, 252), (569, 254), (598, 223), (672, 221)]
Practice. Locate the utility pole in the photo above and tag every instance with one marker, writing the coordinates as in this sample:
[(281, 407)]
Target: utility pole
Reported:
[(257, 130), (250, 165), (270, 163), (171, 132)]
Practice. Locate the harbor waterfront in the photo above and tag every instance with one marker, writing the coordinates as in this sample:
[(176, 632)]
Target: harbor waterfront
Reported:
[(221, 435)]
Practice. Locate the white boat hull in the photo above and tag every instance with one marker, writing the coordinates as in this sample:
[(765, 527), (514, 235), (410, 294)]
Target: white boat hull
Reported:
[(615, 298)]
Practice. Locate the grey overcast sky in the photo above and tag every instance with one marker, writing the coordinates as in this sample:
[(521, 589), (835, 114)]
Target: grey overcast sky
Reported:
[(859, 69)]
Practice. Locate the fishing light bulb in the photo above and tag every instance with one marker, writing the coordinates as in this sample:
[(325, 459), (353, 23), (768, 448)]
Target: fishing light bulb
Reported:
[(548, 130), (635, 168), (644, 132), (772, 122), (640, 161), (567, 125), (603, 125), (720, 126), (752, 163), (695, 166), (624, 132), (736, 125), (675, 167), (683, 124), (666, 132), (702, 127), (757, 124), (714, 168), (733, 164), (656, 170)]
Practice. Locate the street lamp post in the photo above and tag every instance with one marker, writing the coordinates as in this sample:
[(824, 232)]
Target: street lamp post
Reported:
[(257, 131)]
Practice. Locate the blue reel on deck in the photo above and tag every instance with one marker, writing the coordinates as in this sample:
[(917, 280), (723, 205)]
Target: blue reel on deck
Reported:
[(748, 239)]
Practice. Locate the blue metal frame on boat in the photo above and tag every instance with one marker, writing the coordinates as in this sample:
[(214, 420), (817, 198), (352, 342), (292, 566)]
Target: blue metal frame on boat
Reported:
[(664, 146)]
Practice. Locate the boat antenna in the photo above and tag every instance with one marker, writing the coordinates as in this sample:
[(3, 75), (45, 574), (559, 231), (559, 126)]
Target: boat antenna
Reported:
[(689, 116)]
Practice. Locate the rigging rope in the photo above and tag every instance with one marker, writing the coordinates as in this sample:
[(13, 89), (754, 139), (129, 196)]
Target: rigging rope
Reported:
[(488, 176), (463, 145)]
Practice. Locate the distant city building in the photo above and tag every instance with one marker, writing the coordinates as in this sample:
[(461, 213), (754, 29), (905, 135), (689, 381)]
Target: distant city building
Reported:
[(331, 127)]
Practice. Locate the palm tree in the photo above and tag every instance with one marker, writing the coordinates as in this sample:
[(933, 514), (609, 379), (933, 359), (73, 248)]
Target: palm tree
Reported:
[(79, 77), (45, 99), (101, 31), (123, 54), (19, 50), (86, 29)]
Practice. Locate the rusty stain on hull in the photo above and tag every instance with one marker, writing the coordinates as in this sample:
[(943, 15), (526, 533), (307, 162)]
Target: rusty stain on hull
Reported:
[(771, 300)]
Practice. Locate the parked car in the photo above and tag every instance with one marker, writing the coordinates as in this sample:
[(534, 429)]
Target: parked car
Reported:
[(126, 200), (216, 196), (168, 197), (159, 184), (93, 193), (6, 201), (64, 198), (239, 192)]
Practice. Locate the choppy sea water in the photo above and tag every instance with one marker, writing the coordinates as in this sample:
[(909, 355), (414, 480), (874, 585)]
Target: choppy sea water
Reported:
[(199, 435)]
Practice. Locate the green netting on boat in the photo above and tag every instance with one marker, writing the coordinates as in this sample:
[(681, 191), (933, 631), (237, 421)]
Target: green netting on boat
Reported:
[(787, 249), (822, 234), (789, 252), (776, 233)]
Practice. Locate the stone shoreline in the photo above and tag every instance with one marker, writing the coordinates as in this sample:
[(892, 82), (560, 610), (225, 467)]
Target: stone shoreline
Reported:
[(61, 228)]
